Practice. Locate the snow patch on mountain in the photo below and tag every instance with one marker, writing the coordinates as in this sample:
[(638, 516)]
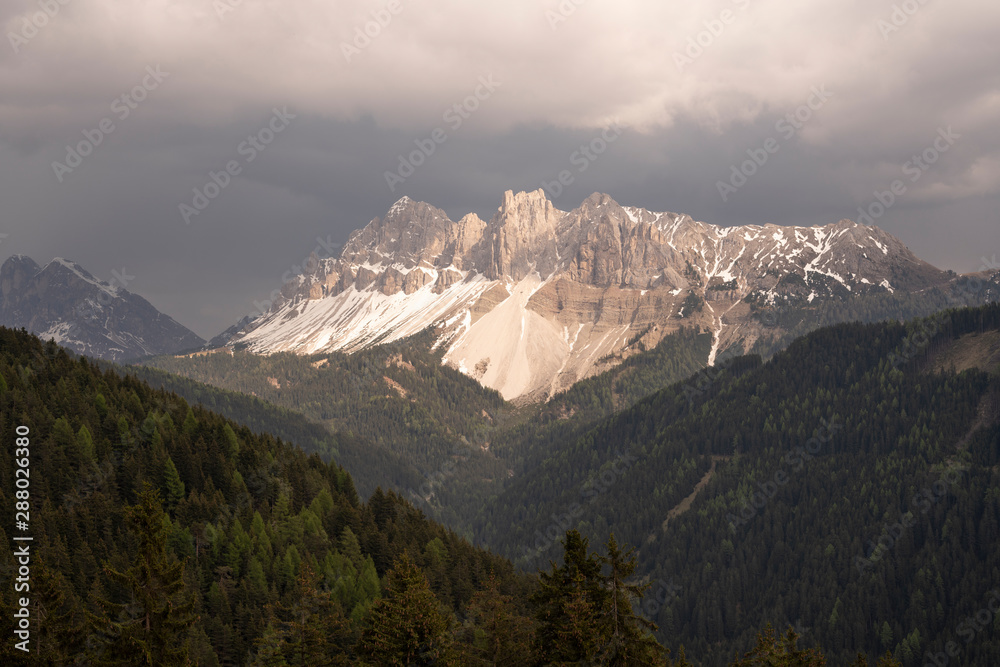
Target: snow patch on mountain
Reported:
[(356, 319), (538, 298)]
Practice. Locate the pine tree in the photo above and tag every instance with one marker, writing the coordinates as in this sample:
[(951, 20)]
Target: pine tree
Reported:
[(501, 636), (313, 631), (629, 638), (190, 424), (367, 589), (349, 547), (151, 628), (172, 482), (681, 660), (61, 621), (885, 635), (773, 652), (568, 606), (268, 649), (85, 444), (232, 442), (406, 626)]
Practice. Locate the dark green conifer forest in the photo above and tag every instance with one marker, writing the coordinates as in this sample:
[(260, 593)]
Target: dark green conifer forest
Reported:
[(836, 504), (165, 534)]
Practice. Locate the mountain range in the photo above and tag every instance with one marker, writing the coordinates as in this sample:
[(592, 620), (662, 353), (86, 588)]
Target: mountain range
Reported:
[(842, 481), (529, 303), (64, 302), (845, 486), (537, 298)]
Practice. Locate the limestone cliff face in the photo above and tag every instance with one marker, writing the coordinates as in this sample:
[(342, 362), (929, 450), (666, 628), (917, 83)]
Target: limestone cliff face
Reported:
[(522, 237), (538, 298)]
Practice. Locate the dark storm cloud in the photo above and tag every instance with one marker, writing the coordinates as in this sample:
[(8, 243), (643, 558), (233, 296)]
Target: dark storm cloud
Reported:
[(560, 74)]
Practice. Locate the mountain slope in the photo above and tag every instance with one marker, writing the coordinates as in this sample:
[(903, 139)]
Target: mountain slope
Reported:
[(371, 465), (537, 298), (430, 426), (447, 443), (760, 494), (63, 302), (259, 525)]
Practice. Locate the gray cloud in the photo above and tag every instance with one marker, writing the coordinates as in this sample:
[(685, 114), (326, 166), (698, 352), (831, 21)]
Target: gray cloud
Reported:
[(685, 126)]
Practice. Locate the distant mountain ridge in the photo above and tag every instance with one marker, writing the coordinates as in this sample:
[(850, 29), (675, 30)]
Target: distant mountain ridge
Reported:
[(64, 302), (538, 298)]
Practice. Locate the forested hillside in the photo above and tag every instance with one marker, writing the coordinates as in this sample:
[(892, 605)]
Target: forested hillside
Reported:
[(528, 438), (445, 442), (148, 514), (165, 534), (426, 420), (371, 465), (793, 318), (849, 484), (397, 417)]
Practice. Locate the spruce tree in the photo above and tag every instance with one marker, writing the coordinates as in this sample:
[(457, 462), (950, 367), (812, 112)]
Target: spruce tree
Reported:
[(312, 630), (85, 444), (771, 651), (501, 635), (61, 620), (268, 649), (172, 482), (629, 639), (406, 626), (681, 660), (568, 606), (151, 627)]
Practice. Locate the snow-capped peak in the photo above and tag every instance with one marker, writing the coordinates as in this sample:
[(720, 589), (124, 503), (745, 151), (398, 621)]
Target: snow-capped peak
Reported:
[(533, 273)]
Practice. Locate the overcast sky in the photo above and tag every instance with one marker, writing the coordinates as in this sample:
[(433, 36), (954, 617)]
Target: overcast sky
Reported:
[(693, 87)]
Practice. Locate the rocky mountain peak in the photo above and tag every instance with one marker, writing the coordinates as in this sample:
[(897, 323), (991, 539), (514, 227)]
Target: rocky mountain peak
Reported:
[(523, 236), (18, 261), (15, 273), (65, 302), (533, 300)]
